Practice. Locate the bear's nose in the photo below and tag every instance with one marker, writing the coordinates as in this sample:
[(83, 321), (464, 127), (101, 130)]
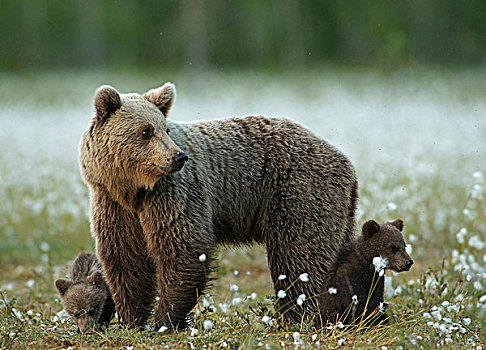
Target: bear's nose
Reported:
[(409, 264), (179, 159)]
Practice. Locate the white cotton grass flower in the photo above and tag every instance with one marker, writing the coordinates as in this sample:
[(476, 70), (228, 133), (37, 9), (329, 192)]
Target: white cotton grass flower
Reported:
[(223, 307), (397, 291), (409, 249), (266, 319), (202, 257), (282, 277), (478, 177), (412, 238), (466, 321), (300, 299), (45, 247), (162, 329), (296, 336), (205, 303), (252, 296), (391, 206), (17, 314), (355, 299), (208, 324), (281, 294), (30, 283), (382, 307), (304, 277), (234, 287), (476, 242), (460, 235), (477, 191), (332, 290), (236, 301), (380, 263), (436, 314), (62, 316)]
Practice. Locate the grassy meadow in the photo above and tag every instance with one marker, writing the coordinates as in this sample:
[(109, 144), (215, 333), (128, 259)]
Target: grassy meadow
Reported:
[(416, 138)]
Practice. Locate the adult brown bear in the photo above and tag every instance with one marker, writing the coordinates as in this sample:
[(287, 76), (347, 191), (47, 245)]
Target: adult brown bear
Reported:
[(164, 193)]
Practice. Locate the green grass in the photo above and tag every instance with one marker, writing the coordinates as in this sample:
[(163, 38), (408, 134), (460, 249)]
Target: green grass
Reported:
[(438, 192), (431, 309)]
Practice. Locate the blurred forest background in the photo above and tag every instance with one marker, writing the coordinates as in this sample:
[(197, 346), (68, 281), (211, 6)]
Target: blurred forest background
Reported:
[(215, 34)]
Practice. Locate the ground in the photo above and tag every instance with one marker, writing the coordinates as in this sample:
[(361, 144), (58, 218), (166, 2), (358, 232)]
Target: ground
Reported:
[(415, 137)]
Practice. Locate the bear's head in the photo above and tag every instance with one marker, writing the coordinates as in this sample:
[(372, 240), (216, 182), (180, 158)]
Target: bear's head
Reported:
[(83, 300), (127, 145), (385, 241)]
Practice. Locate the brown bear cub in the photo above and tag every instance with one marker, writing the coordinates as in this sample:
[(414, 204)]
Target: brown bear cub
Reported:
[(354, 287), (86, 297)]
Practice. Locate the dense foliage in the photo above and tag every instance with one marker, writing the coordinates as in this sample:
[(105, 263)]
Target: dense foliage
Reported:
[(225, 34)]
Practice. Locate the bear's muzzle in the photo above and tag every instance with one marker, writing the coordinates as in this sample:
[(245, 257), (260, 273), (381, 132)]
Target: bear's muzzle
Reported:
[(180, 159)]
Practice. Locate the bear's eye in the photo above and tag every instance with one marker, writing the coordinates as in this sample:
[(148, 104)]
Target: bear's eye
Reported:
[(92, 311), (147, 133), (394, 249)]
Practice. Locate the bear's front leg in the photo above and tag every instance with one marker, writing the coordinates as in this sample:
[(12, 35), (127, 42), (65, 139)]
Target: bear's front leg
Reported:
[(122, 251), (183, 253), (180, 285)]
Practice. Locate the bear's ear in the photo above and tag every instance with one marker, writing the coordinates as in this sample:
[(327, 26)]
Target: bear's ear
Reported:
[(370, 227), (398, 224), (62, 286), (162, 97), (96, 279), (106, 101)]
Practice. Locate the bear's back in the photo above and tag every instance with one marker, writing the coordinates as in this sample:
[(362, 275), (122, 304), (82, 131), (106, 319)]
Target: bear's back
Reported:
[(248, 168)]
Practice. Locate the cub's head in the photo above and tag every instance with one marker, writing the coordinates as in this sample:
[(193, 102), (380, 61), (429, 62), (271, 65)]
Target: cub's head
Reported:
[(128, 141), (386, 241), (84, 300)]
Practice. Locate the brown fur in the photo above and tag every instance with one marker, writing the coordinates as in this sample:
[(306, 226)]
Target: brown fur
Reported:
[(86, 297), (353, 273), (248, 180)]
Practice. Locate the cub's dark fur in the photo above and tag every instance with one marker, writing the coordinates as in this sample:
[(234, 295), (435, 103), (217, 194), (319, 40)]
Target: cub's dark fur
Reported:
[(86, 297), (353, 289)]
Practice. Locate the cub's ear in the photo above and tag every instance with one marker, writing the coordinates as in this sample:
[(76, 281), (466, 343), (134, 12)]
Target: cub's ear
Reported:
[(96, 279), (162, 97), (62, 286), (106, 101), (398, 224), (370, 227)]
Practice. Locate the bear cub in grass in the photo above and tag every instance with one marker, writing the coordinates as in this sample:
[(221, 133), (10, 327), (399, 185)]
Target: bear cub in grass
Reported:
[(86, 297), (354, 287)]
